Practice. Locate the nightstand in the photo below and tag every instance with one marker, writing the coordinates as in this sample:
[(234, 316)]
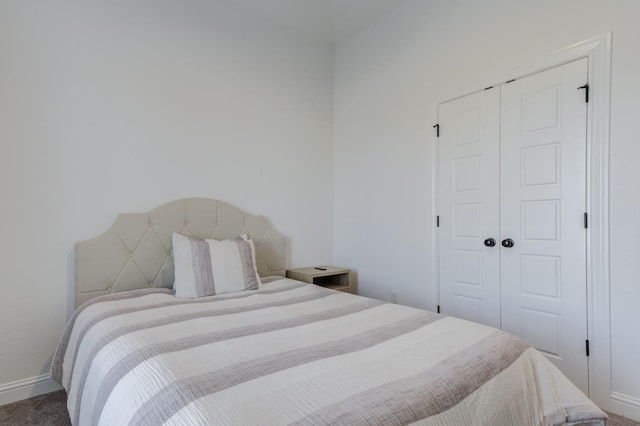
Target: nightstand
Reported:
[(333, 278)]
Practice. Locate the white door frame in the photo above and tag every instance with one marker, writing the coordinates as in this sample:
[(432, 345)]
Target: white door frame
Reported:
[(598, 50)]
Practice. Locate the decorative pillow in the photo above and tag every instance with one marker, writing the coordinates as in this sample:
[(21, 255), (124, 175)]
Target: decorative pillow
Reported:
[(208, 267)]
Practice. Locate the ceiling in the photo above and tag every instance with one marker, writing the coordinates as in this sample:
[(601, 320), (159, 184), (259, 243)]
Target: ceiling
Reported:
[(327, 21)]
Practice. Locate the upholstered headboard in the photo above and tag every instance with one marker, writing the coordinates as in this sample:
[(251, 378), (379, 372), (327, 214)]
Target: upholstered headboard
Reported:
[(136, 252)]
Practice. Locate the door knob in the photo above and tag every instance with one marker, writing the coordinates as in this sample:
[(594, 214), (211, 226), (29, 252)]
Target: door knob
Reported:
[(508, 243), (489, 242)]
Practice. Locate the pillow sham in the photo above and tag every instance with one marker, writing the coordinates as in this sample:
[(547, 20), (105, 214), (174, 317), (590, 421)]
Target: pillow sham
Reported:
[(205, 267)]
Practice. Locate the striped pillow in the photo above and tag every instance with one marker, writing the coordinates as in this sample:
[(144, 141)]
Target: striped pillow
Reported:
[(208, 267)]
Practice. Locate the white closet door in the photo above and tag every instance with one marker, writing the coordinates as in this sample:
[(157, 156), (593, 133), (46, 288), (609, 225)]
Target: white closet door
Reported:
[(468, 207), (543, 199)]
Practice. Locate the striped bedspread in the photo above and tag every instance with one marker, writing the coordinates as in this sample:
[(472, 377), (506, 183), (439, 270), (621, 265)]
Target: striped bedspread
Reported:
[(293, 353)]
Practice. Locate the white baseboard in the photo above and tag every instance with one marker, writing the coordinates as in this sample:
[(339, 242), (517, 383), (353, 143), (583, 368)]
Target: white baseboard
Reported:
[(26, 388), (625, 405)]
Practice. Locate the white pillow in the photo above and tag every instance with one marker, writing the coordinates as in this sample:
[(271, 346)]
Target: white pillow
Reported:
[(208, 267)]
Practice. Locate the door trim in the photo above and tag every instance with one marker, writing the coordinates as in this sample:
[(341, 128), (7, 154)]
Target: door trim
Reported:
[(598, 51)]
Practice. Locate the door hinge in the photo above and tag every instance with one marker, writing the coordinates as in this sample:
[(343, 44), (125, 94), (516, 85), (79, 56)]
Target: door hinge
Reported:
[(438, 308), (437, 221), (586, 221), (586, 92), (587, 346), (437, 127)]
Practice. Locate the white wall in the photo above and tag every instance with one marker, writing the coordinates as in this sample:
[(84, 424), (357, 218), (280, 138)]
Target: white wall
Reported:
[(115, 106), (388, 82)]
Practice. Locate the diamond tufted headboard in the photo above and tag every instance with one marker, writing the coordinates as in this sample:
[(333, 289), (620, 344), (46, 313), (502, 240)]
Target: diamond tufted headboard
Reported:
[(136, 252)]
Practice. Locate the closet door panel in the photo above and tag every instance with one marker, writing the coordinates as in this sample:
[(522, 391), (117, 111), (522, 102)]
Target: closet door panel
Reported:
[(543, 199), (468, 207)]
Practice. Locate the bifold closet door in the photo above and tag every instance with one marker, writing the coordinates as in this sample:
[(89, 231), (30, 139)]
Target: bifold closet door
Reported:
[(542, 206), (468, 200)]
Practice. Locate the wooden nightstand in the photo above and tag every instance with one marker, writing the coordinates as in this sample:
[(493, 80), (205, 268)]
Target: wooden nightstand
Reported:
[(333, 278)]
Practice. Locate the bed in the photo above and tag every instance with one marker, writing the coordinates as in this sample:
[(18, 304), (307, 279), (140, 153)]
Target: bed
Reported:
[(285, 352)]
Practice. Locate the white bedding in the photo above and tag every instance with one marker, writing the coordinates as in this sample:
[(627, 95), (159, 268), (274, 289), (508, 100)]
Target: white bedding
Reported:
[(294, 353)]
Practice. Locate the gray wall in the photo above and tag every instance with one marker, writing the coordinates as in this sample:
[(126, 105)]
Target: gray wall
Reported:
[(121, 106), (388, 81)]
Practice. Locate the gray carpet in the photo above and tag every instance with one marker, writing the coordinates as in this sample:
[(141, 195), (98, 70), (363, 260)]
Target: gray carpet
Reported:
[(51, 410)]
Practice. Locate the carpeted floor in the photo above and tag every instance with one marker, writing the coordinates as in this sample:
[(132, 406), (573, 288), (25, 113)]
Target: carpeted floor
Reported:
[(51, 410)]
